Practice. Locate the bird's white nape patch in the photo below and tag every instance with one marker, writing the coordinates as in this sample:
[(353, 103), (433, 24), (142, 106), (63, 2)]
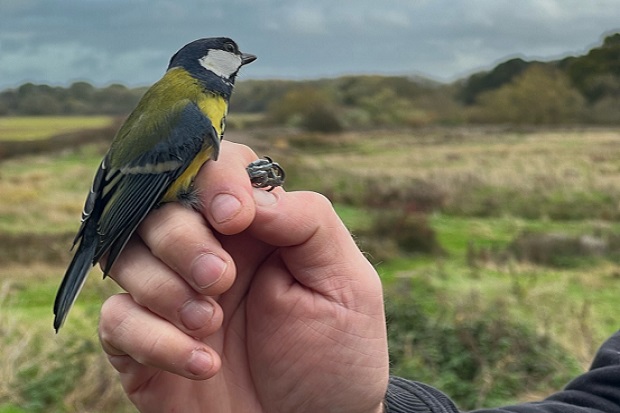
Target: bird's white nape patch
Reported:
[(220, 62)]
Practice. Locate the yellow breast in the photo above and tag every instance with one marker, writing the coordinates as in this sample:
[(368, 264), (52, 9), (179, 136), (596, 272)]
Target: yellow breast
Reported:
[(215, 108)]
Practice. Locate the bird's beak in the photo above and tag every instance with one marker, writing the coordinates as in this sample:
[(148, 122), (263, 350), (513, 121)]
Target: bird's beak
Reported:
[(247, 58)]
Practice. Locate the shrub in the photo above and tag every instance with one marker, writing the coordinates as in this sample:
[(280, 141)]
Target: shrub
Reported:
[(479, 356), (411, 232), (321, 119), (557, 249), (306, 107), (540, 95), (392, 233)]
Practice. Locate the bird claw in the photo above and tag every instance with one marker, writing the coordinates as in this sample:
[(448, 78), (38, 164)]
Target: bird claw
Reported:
[(264, 173)]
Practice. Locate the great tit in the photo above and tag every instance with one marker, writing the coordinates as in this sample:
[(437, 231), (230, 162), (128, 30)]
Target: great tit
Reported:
[(175, 128)]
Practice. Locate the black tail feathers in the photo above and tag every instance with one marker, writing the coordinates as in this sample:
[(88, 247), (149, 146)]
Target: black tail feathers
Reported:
[(74, 280)]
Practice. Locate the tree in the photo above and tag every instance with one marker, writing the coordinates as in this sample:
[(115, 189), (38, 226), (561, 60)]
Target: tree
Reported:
[(306, 107), (599, 62), (482, 82), (81, 91), (542, 94)]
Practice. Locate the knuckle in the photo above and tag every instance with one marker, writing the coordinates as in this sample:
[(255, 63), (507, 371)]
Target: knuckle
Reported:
[(112, 323), (177, 230), (171, 233)]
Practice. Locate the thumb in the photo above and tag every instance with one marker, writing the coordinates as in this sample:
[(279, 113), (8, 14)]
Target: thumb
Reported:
[(315, 245)]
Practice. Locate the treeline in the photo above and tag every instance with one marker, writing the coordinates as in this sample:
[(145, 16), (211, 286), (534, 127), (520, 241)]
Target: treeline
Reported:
[(582, 89), (81, 98), (348, 102)]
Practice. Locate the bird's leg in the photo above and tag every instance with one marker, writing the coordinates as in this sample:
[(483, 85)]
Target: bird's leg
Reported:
[(264, 173)]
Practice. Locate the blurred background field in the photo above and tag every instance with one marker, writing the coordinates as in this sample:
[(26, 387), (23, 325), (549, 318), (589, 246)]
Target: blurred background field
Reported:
[(491, 210), (20, 128), (500, 283)]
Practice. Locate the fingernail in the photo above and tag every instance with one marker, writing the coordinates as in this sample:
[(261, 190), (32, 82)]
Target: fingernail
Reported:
[(196, 314), (225, 207), (200, 362), (264, 198), (207, 269)]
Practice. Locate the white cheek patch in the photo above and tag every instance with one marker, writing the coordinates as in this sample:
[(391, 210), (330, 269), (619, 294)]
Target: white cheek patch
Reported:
[(221, 63)]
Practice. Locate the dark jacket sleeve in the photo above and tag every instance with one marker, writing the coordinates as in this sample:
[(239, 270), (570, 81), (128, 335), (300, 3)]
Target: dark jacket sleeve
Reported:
[(596, 391)]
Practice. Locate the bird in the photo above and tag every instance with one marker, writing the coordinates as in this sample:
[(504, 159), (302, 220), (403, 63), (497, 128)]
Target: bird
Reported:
[(154, 157)]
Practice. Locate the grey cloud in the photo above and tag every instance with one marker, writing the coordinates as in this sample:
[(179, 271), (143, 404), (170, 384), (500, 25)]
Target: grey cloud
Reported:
[(131, 40)]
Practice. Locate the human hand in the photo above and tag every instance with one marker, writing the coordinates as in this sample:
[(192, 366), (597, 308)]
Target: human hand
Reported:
[(288, 319)]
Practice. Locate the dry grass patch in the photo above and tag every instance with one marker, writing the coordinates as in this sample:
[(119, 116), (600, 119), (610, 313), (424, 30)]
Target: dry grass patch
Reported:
[(45, 193), (41, 127), (480, 172)]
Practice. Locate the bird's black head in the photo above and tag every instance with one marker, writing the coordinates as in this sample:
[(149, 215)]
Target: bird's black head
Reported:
[(214, 61)]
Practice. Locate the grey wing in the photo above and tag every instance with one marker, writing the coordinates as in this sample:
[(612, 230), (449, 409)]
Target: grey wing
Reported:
[(131, 199), (123, 196)]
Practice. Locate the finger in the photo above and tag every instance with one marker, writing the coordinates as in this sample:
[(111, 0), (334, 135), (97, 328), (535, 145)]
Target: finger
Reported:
[(153, 285), (317, 247), (140, 344), (181, 239), (226, 191)]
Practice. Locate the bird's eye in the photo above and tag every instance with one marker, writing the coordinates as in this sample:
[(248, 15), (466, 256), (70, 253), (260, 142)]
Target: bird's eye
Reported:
[(230, 47)]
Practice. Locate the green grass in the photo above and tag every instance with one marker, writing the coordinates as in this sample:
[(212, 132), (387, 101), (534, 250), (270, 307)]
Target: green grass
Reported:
[(29, 128), (9, 408), (573, 305), (41, 371), (455, 232), (354, 218)]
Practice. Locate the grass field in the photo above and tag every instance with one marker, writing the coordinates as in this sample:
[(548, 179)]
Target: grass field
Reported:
[(566, 174), (482, 188), (46, 194), (28, 128)]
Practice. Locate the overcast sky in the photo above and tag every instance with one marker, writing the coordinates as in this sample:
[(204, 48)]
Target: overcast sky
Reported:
[(130, 41)]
